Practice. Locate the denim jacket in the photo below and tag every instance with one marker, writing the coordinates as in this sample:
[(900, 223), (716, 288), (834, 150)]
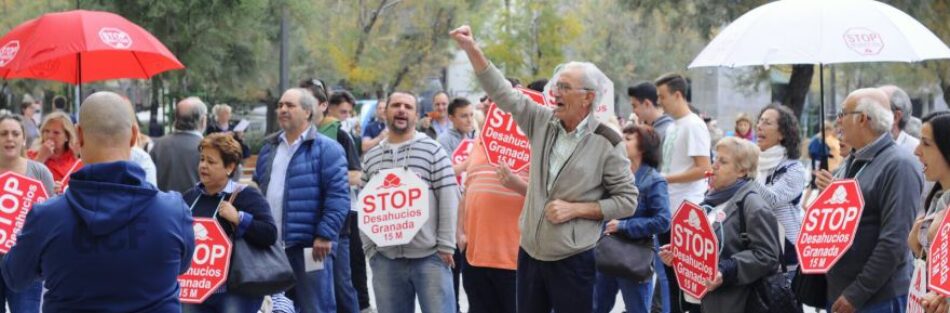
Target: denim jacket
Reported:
[(653, 210)]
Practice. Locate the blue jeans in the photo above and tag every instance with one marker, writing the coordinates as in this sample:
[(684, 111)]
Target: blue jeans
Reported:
[(224, 302), (662, 281), (397, 282), (894, 305), (314, 290), (636, 296), (346, 300), (25, 301)]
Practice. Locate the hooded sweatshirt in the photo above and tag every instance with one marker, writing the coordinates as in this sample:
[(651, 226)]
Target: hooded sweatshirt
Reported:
[(426, 158), (111, 243)]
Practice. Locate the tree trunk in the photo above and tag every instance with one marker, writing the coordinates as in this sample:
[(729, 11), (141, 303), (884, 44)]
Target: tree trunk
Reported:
[(798, 87)]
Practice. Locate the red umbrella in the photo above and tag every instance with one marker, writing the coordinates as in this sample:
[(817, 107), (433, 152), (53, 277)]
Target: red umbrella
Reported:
[(82, 46)]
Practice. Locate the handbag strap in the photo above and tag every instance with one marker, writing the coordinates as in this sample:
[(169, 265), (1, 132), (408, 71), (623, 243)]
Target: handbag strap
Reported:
[(744, 236)]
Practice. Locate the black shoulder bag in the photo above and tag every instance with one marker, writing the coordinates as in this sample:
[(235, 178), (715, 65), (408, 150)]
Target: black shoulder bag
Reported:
[(258, 271), (772, 293)]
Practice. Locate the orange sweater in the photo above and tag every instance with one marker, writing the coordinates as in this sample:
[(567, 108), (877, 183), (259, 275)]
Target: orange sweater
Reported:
[(491, 214)]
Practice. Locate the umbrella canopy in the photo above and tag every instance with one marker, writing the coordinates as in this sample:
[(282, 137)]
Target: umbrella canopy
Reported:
[(822, 32), (82, 46)]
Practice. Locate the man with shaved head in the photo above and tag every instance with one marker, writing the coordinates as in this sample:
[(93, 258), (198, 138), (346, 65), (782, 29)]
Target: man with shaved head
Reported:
[(176, 155), (873, 276), (112, 242)]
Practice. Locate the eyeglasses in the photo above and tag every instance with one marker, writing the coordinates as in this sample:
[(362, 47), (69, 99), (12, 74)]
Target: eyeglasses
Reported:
[(561, 88), (843, 113)]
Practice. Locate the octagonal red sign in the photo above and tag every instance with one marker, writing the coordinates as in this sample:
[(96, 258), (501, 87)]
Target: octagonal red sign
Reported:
[(210, 262), (503, 140), (695, 249), (18, 193), (829, 226), (938, 260)]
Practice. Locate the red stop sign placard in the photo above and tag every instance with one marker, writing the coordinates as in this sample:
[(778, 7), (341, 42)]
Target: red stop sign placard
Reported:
[(503, 140), (938, 260), (462, 151), (18, 193), (460, 155), (209, 264), (393, 206), (695, 249), (829, 226)]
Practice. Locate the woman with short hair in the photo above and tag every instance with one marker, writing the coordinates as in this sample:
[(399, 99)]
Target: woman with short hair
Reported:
[(248, 217), (743, 260), (651, 218)]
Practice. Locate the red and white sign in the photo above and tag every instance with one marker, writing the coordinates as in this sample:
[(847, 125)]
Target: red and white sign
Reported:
[(460, 155), (938, 260), (918, 287), (864, 41), (461, 152), (503, 140), (115, 38), (695, 249), (393, 207), (18, 193), (209, 264), (8, 52), (829, 226)]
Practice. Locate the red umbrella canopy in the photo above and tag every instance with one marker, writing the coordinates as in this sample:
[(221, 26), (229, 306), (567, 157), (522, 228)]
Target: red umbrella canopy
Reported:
[(82, 46)]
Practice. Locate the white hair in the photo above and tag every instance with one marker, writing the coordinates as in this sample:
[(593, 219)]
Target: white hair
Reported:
[(591, 79), (879, 115), (220, 108)]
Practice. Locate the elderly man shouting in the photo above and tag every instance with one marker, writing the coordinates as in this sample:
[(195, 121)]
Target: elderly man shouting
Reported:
[(579, 177)]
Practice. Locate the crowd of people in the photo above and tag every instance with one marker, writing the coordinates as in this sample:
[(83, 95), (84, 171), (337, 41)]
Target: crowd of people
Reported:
[(117, 229)]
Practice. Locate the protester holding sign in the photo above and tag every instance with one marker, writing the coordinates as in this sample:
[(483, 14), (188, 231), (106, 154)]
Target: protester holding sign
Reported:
[(422, 267), (749, 235), (580, 178), (934, 154), (651, 218), (781, 172), (57, 149), (463, 127), (875, 272), (248, 217), (113, 242), (12, 135)]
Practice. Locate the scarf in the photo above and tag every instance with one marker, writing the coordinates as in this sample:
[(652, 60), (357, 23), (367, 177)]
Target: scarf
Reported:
[(715, 197), (768, 161)]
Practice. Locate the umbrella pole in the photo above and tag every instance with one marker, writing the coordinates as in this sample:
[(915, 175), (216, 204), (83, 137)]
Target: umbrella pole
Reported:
[(78, 84), (821, 114)]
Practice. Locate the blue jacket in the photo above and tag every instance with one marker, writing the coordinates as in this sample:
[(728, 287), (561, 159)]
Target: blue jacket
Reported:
[(112, 243), (653, 210), (317, 190)]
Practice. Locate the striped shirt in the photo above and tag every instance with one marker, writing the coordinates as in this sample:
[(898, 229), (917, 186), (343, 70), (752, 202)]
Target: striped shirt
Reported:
[(426, 158)]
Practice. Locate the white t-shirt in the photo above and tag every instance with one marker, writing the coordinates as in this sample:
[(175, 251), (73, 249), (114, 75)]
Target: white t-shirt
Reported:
[(686, 138)]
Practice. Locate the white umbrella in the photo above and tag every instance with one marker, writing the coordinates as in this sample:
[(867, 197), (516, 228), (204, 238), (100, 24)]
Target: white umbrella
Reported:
[(822, 32)]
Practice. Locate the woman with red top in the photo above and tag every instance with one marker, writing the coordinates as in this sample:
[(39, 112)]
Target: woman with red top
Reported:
[(57, 148)]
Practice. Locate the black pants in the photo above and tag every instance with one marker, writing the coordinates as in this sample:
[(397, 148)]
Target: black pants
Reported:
[(459, 259), (567, 285), (489, 290), (358, 264)]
